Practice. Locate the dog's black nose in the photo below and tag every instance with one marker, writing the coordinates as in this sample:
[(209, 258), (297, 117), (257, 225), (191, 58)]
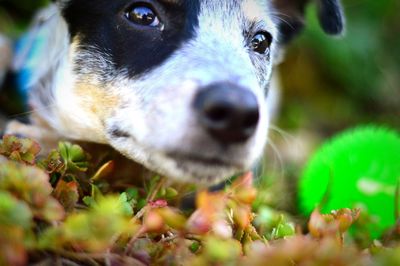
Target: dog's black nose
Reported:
[(229, 113)]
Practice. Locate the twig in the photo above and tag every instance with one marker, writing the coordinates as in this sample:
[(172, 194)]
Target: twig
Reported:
[(84, 257), (328, 190), (129, 247), (169, 238), (193, 237), (68, 262), (140, 213), (153, 194)]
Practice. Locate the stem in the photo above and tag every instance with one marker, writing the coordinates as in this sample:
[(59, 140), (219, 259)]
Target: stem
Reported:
[(84, 257), (397, 201), (153, 194), (129, 247)]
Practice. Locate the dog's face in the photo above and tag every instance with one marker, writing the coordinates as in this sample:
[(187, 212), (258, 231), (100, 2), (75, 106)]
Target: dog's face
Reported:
[(179, 86)]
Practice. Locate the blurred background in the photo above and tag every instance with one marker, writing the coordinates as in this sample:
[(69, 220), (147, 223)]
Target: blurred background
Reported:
[(328, 84), (333, 84)]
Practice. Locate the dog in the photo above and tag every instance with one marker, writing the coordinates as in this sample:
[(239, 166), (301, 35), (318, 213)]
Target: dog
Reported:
[(182, 87)]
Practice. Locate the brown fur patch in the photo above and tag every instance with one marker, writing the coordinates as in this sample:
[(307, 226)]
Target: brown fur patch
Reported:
[(96, 100)]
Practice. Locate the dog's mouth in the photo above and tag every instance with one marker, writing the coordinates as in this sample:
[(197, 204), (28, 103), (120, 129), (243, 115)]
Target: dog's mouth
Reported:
[(203, 160), (201, 169), (183, 165)]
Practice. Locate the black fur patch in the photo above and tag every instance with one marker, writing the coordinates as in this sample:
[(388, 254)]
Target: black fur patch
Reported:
[(331, 16), (289, 30), (291, 17), (101, 23)]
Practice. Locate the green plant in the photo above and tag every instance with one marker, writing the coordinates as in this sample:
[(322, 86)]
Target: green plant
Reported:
[(60, 209)]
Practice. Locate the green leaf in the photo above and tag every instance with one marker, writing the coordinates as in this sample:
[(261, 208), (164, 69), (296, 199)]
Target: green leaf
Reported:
[(53, 163), (67, 194), (283, 230), (93, 230), (218, 250), (89, 201), (104, 171), (14, 213), (74, 157), (126, 204), (20, 150), (194, 247), (171, 193), (31, 185), (52, 211), (132, 194)]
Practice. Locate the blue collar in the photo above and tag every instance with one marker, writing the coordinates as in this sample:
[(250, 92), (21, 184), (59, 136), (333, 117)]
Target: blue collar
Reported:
[(29, 50)]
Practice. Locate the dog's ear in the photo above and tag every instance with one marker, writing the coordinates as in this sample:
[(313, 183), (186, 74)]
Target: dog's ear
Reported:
[(60, 2), (291, 16)]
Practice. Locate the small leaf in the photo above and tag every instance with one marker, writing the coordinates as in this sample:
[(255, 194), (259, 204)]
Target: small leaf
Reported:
[(199, 223), (222, 229), (246, 195), (218, 250), (104, 171), (209, 206), (20, 150), (53, 211), (126, 205), (13, 212), (242, 215), (171, 193), (67, 194), (15, 228), (172, 218), (94, 230), (89, 201), (74, 157), (132, 193), (97, 195), (153, 221), (158, 203), (31, 185), (283, 230), (245, 181), (53, 163), (194, 247)]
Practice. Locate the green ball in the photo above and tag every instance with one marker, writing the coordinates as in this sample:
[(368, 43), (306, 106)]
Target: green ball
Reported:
[(359, 166)]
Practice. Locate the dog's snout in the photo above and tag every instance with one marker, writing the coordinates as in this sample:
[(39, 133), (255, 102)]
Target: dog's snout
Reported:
[(228, 112)]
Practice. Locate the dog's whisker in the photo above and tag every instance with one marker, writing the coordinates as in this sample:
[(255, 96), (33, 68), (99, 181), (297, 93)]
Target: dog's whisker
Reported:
[(279, 14), (31, 112), (284, 21), (278, 157), (287, 137)]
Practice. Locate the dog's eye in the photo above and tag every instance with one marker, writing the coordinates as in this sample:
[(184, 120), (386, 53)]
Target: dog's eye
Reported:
[(261, 42), (143, 15)]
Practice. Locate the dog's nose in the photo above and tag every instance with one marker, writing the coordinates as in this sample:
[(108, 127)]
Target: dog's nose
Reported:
[(228, 112)]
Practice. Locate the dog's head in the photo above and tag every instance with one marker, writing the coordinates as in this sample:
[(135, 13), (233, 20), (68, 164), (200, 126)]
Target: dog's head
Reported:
[(180, 86)]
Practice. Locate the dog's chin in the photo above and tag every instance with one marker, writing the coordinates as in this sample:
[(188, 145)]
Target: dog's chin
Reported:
[(182, 167), (191, 168)]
